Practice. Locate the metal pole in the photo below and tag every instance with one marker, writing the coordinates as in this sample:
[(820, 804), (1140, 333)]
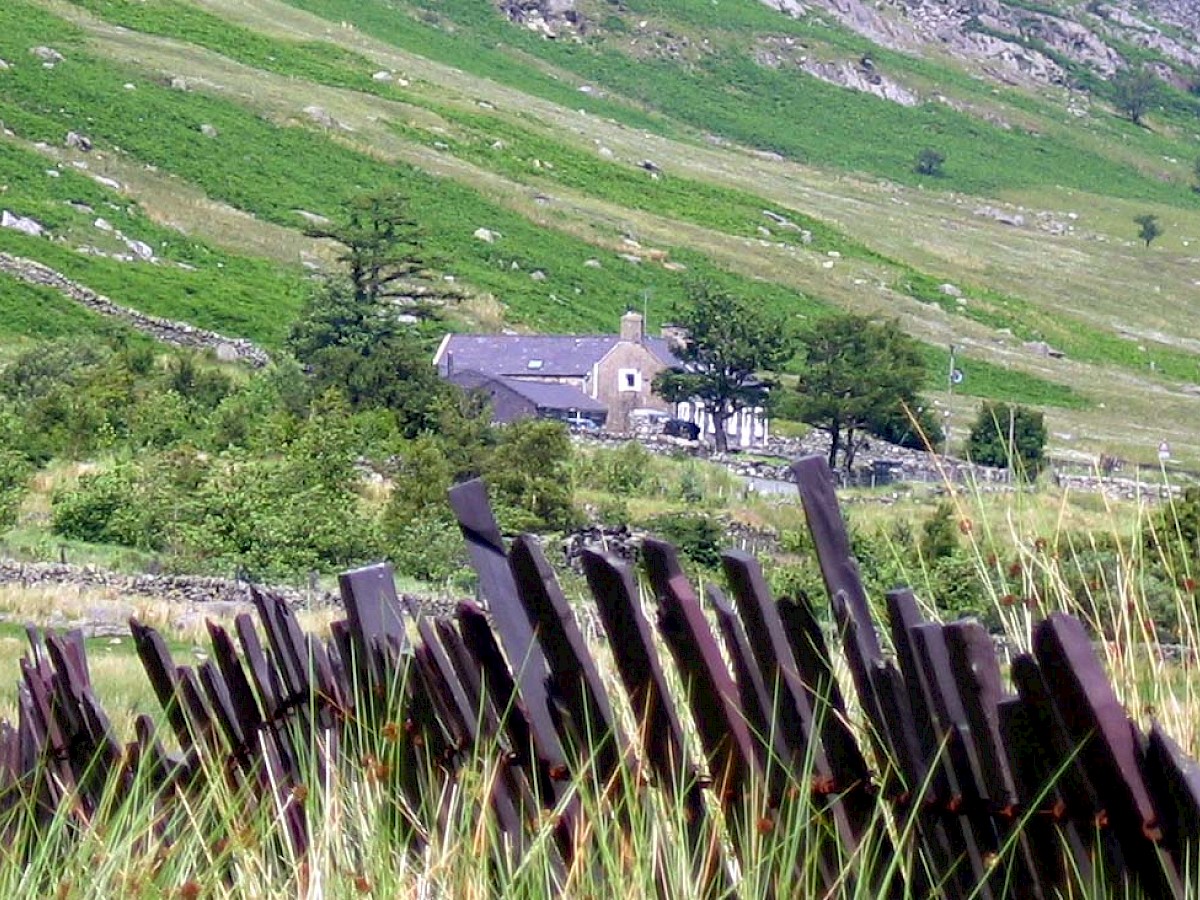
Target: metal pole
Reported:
[(950, 399)]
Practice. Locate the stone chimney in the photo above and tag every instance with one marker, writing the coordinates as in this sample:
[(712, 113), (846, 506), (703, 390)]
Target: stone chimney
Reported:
[(633, 327)]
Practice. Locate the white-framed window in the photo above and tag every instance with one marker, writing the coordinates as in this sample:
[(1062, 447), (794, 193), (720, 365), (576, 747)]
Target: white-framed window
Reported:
[(629, 380)]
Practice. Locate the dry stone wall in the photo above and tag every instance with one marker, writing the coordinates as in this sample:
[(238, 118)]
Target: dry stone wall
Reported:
[(168, 331)]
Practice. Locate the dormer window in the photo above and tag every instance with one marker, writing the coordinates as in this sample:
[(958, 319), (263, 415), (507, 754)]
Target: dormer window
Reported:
[(534, 364)]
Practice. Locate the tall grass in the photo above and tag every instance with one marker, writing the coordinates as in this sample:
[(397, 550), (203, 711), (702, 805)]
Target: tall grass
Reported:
[(368, 836)]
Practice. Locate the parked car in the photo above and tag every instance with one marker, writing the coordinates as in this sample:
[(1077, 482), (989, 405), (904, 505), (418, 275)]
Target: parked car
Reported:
[(583, 424), (681, 428)]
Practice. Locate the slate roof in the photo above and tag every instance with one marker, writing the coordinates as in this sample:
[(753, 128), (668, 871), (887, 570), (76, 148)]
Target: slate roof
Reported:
[(547, 395), (542, 394), (534, 355)]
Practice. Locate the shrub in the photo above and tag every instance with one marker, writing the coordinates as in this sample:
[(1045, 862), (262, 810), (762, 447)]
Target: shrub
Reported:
[(529, 473), (939, 533), (929, 162), (117, 506), (989, 442), (14, 471), (698, 537)]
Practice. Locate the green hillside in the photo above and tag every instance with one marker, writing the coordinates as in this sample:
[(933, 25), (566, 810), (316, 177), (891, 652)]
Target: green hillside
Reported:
[(658, 145)]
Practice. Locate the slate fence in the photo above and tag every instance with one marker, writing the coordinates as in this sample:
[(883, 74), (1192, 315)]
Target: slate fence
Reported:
[(991, 793)]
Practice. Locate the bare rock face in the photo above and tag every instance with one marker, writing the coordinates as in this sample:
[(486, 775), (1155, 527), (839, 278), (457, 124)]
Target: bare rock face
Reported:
[(1013, 42), (861, 78)]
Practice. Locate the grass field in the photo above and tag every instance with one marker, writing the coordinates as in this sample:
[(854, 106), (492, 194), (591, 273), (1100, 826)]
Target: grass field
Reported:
[(500, 137)]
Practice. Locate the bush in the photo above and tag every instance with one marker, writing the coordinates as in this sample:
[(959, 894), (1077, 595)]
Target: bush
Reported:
[(117, 506), (989, 441), (939, 533), (698, 537), (14, 472), (530, 476), (929, 162)]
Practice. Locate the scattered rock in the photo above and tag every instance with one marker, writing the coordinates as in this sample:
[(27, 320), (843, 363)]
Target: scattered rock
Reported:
[(140, 249), (209, 131), (1002, 216), (48, 55), (631, 258), (311, 217), (178, 83), (320, 116), (382, 77), (77, 141), (950, 290), (4, 66), (103, 224), (107, 182), (486, 235), (1041, 348), (23, 224), (538, 275), (592, 263), (674, 267)]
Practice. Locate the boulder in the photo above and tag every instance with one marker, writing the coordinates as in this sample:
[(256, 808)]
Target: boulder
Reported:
[(140, 249), (23, 224), (1041, 348), (486, 235), (320, 116), (950, 290), (209, 131), (77, 141), (48, 55)]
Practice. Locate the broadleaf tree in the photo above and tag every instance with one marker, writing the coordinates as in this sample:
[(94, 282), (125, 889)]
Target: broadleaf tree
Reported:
[(730, 348), (856, 376)]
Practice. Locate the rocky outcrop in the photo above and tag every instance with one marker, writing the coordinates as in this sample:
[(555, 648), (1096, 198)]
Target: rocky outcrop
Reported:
[(860, 77), (168, 331), (1020, 44)]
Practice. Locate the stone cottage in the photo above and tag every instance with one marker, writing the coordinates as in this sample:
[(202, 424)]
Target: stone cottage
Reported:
[(604, 378)]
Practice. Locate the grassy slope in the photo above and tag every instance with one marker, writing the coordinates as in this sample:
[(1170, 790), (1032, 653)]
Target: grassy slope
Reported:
[(284, 169)]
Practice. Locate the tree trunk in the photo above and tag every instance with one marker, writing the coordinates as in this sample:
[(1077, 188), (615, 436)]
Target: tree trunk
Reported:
[(835, 444), (720, 438), (851, 449)]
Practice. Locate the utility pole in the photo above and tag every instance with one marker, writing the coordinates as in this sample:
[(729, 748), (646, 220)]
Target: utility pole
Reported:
[(950, 401)]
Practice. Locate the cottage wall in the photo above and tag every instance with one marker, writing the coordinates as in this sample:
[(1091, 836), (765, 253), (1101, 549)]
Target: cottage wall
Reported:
[(507, 404), (612, 385)]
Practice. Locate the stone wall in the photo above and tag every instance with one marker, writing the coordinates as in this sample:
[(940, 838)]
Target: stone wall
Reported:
[(177, 334)]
